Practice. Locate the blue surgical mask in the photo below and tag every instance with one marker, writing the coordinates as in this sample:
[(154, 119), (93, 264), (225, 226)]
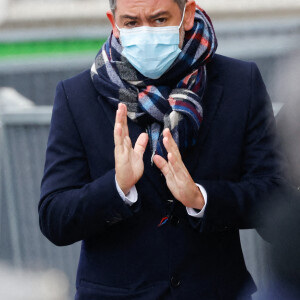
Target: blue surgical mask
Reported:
[(151, 50)]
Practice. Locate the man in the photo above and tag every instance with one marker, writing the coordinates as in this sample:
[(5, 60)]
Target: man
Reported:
[(159, 219)]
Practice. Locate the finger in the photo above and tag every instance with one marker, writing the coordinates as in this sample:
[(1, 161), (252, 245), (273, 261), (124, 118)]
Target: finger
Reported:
[(118, 119), (141, 144), (170, 148), (119, 114), (162, 164), (123, 119), (178, 168), (171, 145), (174, 164), (119, 122), (126, 149), (127, 142), (118, 138)]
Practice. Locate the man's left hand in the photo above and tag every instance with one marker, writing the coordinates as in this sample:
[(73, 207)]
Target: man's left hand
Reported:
[(178, 178)]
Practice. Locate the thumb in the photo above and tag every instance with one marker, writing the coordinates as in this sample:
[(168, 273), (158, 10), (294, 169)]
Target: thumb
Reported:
[(162, 164)]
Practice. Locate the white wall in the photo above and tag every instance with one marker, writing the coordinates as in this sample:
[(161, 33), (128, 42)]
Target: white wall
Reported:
[(37, 10)]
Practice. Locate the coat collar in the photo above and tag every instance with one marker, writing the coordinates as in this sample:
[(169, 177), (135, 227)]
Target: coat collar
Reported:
[(210, 105), (211, 102)]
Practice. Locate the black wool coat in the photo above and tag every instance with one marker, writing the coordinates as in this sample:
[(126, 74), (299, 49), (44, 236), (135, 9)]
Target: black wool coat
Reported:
[(124, 254)]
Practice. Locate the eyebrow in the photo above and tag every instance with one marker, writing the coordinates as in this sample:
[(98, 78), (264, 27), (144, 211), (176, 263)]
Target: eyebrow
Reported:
[(162, 13), (128, 17)]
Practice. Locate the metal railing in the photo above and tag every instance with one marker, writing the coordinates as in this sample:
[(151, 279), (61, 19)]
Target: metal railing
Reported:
[(23, 140)]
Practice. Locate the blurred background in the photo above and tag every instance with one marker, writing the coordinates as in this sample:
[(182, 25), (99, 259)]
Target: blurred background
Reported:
[(43, 42)]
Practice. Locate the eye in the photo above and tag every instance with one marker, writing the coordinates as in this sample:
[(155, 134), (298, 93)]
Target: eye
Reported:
[(130, 24), (160, 21)]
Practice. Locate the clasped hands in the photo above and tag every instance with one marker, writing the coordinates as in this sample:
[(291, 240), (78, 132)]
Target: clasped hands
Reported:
[(129, 163)]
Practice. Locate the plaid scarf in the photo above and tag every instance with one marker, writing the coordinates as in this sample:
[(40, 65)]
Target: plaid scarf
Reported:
[(172, 101)]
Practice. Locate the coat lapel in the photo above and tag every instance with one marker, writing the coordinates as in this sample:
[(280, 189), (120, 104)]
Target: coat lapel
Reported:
[(211, 101), (134, 129)]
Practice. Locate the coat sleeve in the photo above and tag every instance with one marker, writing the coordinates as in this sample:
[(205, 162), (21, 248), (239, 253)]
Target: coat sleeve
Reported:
[(242, 204), (72, 207)]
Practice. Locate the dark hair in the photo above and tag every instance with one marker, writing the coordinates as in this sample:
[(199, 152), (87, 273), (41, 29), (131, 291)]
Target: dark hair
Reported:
[(113, 4)]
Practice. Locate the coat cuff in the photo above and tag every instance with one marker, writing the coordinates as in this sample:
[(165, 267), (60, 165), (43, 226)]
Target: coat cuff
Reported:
[(131, 197), (196, 213)]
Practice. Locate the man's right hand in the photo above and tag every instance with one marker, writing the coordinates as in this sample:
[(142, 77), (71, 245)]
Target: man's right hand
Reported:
[(129, 162)]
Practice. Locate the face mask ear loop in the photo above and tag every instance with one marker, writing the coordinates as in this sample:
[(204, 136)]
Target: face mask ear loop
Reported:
[(182, 18), (118, 27)]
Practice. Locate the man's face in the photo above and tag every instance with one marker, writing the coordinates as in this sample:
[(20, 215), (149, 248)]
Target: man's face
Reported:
[(154, 13)]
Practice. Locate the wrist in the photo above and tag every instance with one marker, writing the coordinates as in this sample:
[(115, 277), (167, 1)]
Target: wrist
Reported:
[(125, 191), (123, 188), (198, 202)]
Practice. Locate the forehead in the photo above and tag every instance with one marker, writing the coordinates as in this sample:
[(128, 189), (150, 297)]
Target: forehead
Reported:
[(145, 6)]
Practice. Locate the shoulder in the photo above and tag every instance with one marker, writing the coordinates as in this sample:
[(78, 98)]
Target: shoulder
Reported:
[(79, 94), (241, 82), (233, 73), (79, 79), (231, 70), (225, 64), (79, 85)]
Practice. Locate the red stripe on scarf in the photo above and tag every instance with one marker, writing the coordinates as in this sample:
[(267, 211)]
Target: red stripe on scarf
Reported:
[(190, 107), (205, 42), (172, 101), (186, 79), (145, 92), (199, 37)]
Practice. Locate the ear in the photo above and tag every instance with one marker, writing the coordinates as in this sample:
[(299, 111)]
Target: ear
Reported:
[(189, 17), (111, 19)]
